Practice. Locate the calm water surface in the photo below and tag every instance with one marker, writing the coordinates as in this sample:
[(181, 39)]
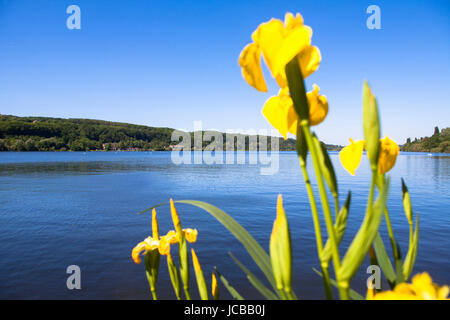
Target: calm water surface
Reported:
[(59, 209)]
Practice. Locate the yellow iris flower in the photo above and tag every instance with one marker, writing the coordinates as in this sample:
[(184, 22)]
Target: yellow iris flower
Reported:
[(147, 245), (389, 151), (161, 243), (279, 110), (421, 288), (350, 155), (190, 234), (279, 43)]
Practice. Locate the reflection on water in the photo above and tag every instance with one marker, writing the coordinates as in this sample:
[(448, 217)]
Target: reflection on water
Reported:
[(58, 209), (93, 167)]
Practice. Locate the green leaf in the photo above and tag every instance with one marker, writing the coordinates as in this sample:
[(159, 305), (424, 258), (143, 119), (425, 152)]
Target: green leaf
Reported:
[(151, 208), (257, 253), (353, 294), (326, 166), (373, 257), (339, 226), (341, 221), (364, 238), (266, 292), (174, 276), (201, 283), (399, 266), (297, 89), (410, 259), (227, 285), (383, 260)]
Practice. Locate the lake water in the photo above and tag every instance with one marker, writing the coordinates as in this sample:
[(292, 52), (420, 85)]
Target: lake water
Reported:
[(61, 209)]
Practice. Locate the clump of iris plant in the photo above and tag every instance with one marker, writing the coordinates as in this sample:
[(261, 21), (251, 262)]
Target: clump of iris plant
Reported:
[(287, 51)]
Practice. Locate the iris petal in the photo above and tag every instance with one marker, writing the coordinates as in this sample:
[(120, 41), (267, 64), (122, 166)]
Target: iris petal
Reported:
[(279, 43), (388, 155), (291, 22), (351, 155), (309, 60), (277, 111), (421, 288), (190, 234), (318, 106), (137, 251), (295, 41), (269, 36), (250, 62), (292, 120)]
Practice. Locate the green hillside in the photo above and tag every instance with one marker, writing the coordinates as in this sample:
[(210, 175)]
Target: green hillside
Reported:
[(438, 142), (55, 134)]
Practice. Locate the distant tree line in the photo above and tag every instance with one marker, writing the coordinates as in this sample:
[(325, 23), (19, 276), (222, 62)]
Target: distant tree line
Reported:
[(52, 134), (438, 142), (55, 134)]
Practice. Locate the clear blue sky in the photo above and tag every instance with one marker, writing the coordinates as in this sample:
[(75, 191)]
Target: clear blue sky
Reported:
[(168, 63)]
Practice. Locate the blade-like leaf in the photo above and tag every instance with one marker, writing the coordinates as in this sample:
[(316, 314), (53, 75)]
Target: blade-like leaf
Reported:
[(364, 238), (384, 261), (257, 253), (340, 226), (227, 285), (353, 294), (184, 266), (399, 266), (201, 283), (410, 259), (151, 208), (341, 221), (266, 292), (174, 276)]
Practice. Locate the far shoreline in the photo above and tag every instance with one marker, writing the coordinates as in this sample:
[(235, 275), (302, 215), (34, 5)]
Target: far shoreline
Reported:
[(119, 151)]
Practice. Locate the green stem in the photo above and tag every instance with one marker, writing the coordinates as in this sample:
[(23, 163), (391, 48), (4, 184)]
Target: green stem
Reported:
[(154, 295), (372, 190), (411, 235), (336, 206), (391, 233), (327, 281), (373, 258), (316, 222), (282, 294), (290, 295), (314, 210), (187, 293), (389, 225), (342, 285), (344, 290)]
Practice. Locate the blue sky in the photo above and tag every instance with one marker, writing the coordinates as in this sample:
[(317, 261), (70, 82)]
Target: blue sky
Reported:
[(168, 63)]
